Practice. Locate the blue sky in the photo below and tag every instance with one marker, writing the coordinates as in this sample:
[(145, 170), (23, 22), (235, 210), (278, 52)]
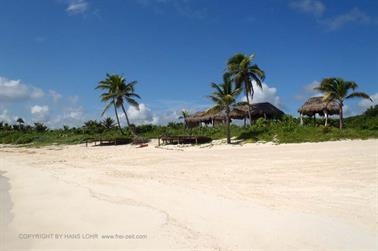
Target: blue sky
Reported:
[(54, 52)]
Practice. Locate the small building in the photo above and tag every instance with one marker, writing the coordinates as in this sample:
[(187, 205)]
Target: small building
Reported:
[(317, 105), (258, 110)]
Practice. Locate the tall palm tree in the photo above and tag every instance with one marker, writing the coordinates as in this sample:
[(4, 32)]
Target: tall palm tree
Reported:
[(224, 98), (243, 71), (337, 89), (184, 115), (118, 92), (109, 97)]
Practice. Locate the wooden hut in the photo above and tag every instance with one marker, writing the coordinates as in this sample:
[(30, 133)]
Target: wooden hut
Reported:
[(316, 105)]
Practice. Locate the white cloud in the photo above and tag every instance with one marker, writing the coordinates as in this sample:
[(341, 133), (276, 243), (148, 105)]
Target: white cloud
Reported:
[(36, 109), (39, 112), (308, 91), (182, 7), (313, 7), (55, 96), (265, 94), (309, 88), (74, 112), (6, 117), (365, 103), (73, 99), (317, 9), (353, 16), (145, 116), (142, 116), (165, 118), (15, 90), (77, 6), (71, 116)]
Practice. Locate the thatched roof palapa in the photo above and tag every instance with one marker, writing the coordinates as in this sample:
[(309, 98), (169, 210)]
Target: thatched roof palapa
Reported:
[(259, 110), (204, 117), (318, 105)]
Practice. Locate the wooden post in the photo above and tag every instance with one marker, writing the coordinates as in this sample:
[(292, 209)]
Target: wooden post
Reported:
[(158, 141), (301, 119)]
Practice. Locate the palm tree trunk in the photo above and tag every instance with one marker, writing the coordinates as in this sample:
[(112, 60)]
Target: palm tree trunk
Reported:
[(116, 113), (341, 115), (127, 120), (326, 118), (228, 125), (249, 106)]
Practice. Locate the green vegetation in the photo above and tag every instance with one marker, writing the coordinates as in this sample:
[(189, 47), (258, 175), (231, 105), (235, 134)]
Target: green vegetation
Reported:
[(224, 96), (286, 130), (118, 92), (183, 116), (240, 72), (337, 89), (243, 72), (366, 121)]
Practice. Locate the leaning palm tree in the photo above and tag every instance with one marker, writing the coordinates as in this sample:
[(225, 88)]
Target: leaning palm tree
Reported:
[(337, 89), (184, 115), (109, 97), (127, 95), (118, 92), (243, 72), (224, 98)]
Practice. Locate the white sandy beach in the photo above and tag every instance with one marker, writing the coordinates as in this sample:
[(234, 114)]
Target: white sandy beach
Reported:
[(311, 196)]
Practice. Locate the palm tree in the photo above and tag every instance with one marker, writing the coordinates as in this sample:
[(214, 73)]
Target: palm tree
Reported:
[(184, 115), (118, 91), (20, 122), (243, 72), (108, 123), (224, 97), (337, 89)]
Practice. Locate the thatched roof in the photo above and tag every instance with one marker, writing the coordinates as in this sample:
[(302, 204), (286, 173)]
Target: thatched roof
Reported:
[(259, 110), (318, 105), (197, 117), (206, 117)]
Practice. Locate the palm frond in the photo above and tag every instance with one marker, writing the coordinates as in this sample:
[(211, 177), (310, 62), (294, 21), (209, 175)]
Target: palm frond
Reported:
[(107, 106), (132, 102), (359, 95)]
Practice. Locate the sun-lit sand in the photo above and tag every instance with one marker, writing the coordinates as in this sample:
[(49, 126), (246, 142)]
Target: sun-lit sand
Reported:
[(312, 196)]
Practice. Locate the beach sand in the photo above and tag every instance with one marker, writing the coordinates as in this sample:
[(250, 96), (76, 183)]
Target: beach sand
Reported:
[(310, 196)]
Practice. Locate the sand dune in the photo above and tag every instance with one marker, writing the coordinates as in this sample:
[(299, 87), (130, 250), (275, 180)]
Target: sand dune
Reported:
[(312, 196)]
